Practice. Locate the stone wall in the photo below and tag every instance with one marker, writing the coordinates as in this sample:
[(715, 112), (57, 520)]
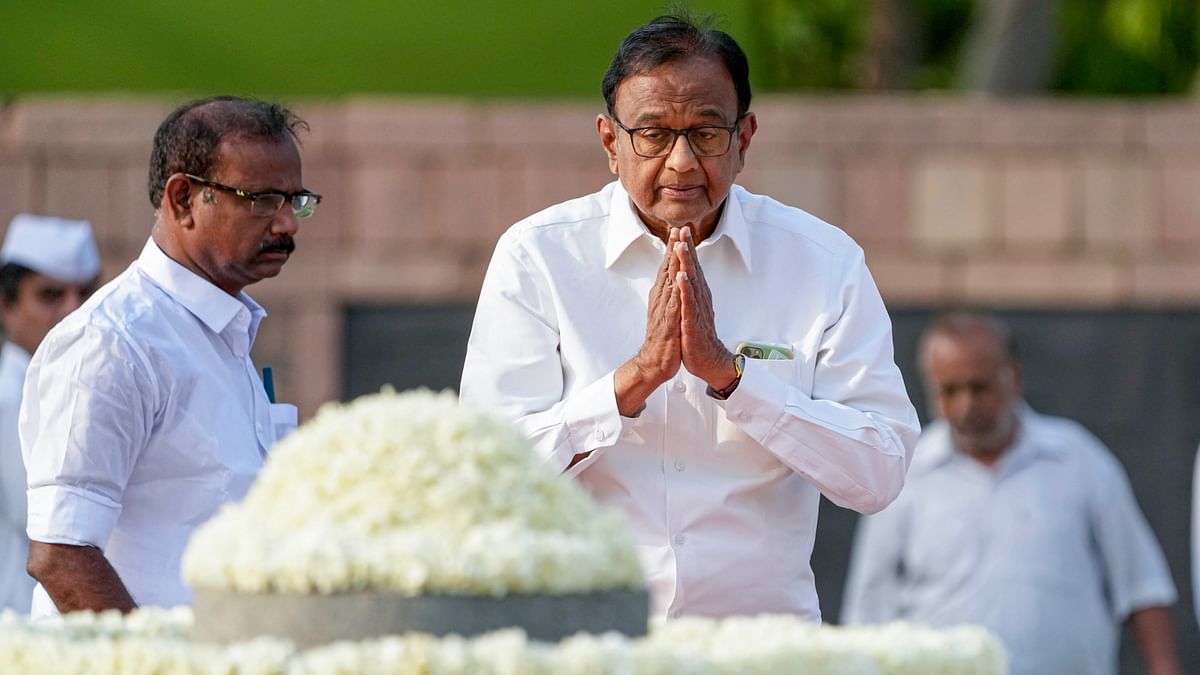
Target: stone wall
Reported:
[(1046, 204)]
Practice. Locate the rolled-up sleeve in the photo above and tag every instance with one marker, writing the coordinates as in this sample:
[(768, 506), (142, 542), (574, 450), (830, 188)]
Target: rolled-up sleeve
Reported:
[(853, 437), (86, 415), (513, 369), (1135, 569)]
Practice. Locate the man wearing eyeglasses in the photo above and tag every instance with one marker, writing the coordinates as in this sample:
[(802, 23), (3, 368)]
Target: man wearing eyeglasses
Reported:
[(143, 412), (707, 360)]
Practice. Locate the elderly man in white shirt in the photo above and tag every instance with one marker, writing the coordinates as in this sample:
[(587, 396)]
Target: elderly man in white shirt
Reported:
[(1020, 522), (607, 328), (48, 267), (143, 412)]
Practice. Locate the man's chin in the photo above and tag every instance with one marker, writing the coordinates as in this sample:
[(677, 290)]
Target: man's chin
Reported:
[(976, 444)]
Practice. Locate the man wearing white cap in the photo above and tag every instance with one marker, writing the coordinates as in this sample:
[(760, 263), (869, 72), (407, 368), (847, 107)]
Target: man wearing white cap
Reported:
[(48, 267), (143, 411)]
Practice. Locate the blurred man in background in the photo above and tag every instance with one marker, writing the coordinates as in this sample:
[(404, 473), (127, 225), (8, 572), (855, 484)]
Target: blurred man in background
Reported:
[(1017, 521), (48, 267), (143, 412), (706, 360)]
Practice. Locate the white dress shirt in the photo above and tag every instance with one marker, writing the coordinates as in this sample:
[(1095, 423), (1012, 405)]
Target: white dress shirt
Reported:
[(1047, 548), (16, 587), (143, 414), (1196, 538), (721, 496)]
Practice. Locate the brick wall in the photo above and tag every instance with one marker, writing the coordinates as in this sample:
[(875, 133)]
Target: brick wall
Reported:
[(1062, 204)]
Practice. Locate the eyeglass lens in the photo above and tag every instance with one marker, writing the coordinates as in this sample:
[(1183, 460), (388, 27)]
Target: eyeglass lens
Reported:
[(302, 205), (705, 141)]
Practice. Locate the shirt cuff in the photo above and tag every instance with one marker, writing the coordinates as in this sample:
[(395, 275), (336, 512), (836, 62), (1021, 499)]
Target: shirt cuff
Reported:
[(758, 402), (1149, 593), (593, 421), (65, 515)]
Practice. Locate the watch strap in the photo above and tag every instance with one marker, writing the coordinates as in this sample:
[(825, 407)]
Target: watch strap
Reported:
[(739, 365)]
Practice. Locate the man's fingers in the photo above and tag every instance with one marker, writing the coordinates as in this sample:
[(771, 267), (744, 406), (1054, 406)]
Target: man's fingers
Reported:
[(676, 299)]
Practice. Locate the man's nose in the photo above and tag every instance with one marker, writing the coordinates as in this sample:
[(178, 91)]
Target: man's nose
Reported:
[(681, 158), (285, 221), (72, 299)]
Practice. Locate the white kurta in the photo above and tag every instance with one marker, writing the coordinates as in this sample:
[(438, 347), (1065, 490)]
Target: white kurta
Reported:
[(1047, 548), (721, 496), (143, 414), (16, 587), (1196, 538)]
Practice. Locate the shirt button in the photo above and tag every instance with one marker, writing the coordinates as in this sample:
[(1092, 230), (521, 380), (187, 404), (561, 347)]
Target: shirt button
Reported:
[(679, 539), (600, 434), (675, 614), (680, 387), (742, 416), (259, 427), (680, 466)]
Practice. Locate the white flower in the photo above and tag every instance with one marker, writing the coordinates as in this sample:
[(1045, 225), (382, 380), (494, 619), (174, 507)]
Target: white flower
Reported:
[(150, 642), (411, 493)]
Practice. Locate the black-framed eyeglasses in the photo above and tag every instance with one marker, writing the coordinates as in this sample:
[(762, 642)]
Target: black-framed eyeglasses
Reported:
[(706, 141), (264, 204)]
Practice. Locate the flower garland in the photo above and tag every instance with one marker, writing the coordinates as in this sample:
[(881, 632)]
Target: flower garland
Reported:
[(155, 641), (413, 494)]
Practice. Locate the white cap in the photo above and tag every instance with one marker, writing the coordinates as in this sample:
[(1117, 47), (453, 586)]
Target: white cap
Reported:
[(59, 248)]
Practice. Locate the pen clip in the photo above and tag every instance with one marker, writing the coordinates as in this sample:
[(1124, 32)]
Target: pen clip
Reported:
[(269, 383)]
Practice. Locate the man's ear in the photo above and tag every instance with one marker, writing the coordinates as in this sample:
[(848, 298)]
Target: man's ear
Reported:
[(177, 200), (608, 139), (746, 129)]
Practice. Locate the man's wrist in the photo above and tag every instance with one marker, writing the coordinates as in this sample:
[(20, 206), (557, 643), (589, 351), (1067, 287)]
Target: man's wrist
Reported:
[(739, 363)]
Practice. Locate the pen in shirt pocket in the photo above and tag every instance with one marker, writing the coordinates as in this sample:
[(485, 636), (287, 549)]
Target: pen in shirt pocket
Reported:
[(269, 383)]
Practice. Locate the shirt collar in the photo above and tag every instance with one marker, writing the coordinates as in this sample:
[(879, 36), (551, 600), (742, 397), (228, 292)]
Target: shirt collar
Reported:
[(12, 356), (215, 308), (1026, 444), (625, 227)]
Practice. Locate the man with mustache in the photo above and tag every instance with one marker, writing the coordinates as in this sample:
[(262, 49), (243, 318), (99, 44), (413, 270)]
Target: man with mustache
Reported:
[(1018, 521), (143, 412)]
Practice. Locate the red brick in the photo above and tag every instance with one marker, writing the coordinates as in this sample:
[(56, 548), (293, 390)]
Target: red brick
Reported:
[(954, 201), (921, 281), (16, 191), (1181, 201), (549, 125), (1037, 203), (1060, 124), (121, 127), (83, 192), (385, 204), (371, 125), (429, 275), (1173, 127), (806, 182), (1118, 209), (877, 199), (1047, 281), (1159, 280)]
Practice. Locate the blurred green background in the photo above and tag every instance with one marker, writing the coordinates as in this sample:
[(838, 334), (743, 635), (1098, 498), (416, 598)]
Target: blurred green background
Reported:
[(544, 48)]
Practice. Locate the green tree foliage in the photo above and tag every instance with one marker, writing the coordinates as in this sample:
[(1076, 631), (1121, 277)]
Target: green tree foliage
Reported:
[(1127, 47), (1104, 47), (808, 44)]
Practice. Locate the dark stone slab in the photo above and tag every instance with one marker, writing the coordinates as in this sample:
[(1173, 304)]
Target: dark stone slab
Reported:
[(311, 620)]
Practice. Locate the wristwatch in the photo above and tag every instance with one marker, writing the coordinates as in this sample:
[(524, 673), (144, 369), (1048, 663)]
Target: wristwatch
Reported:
[(739, 364)]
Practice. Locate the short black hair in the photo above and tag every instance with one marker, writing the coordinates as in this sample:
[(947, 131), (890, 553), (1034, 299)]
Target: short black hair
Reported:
[(11, 275), (676, 37), (187, 140)]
